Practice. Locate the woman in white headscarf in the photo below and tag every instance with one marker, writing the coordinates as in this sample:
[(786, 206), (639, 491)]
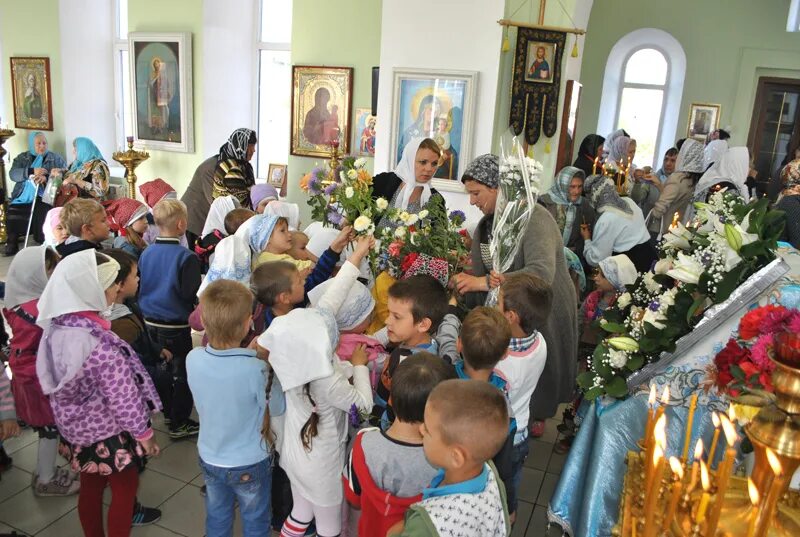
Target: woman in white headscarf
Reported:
[(713, 152), (290, 211), (408, 186), (679, 188), (730, 171), (220, 208)]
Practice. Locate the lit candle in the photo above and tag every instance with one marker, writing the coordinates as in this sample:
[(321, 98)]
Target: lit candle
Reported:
[(594, 166), (677, 485), (769, 506), (752, 490), (660, 440), (648, 429), (652, 492), (689, 420), (704, 499), (731, 413), (698, 454), (723, 473), (714, 440)]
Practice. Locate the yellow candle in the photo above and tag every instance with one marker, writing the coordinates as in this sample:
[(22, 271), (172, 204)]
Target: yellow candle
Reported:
[(698, 454), (626, 516), (648, 428), (689, 420), (723, 473), (753, 516), (660, 440), (633, 527), (769, 506), (704, 499), (594, 166), (677, 486), (714, 440), (652, 493)]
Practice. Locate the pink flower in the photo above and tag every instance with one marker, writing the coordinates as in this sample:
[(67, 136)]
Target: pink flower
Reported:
[(103, 469), (775, 320), (90, 467), (394, 249), (102, 450), (794, 322), (760, 352), (122, 459)]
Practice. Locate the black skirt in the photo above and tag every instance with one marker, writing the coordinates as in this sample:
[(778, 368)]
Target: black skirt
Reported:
[(19, 214), (112, 455)]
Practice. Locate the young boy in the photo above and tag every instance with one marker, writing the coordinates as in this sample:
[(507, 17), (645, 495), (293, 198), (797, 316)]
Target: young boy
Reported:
[(525, 302), (170, 278), (86, 222), (416, 307), (229, 385), (466, 423), (387, 471)]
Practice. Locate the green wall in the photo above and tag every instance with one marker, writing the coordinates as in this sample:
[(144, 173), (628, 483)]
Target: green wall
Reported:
[(20, 40), (728, 44), (344, 33), (174, 16)]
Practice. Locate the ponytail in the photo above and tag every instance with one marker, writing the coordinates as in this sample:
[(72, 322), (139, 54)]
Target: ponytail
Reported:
[(309, 430), (266, 431)]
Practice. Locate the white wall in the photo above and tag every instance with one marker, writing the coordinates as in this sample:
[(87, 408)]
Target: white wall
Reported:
[(230, 78), (86, 28), (411, 37)]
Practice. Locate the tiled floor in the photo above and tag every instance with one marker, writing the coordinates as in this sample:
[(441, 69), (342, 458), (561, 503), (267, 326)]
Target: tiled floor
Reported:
[(172, 483)]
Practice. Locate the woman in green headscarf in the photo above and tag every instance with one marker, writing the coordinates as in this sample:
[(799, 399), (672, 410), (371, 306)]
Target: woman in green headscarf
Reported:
[(37, 163), (89, 171)]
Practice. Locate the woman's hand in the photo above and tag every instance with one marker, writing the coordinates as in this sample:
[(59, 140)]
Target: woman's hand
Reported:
[(363, 245), (496, 279), (342, 239), (586, 232), (466, 283), (359, 356), (150, 446)]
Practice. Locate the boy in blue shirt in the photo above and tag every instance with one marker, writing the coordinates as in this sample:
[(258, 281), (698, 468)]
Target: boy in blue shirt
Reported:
[(230, 387)]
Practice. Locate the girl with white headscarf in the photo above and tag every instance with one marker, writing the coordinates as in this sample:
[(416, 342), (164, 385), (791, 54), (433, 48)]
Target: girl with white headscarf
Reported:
[(408, 186), (100, 393), (27, 278), (220, 208), (679, 188), (289, 211)]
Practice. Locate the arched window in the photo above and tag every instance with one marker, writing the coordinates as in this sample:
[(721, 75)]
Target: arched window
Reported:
[(642, 89)]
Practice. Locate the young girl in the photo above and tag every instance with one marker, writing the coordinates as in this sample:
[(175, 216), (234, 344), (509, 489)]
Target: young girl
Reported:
[(214, 228), (27, 278), (131, 218), (301, 346), (289, 211), (262, 195), (99, 391), (54, 231), (279, 244), (612, 275), (153, 192)]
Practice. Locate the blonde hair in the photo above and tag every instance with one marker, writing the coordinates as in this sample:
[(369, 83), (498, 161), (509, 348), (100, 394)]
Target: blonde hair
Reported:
[(78, 212), (168, 212), (224, 306)]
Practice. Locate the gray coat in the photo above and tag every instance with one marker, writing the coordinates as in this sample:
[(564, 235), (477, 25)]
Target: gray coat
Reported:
[(541, 253), (199, 195), (21, 168)]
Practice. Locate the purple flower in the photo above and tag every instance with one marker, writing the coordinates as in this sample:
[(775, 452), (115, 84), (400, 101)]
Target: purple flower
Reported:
[(723, 218), (330, 188), (314, 185), (457, 217), (335, 218), (654, 305), (354, 416)]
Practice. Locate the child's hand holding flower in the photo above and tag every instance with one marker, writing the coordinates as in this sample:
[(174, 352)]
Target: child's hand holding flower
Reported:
[(341, 240)]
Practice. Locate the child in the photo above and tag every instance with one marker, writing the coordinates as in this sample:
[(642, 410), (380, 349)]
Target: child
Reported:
[(612, 275), (170, 278), (27, 279), (301, 347), (299, 249), (289, 211), (85, 220), (153, 192), (235, 219), (131, 218), (466, 423), (215, 228), (525, 302), (99, 391), (387, 471), (262, 195), (230, 388), (54, 231), (278, 246)]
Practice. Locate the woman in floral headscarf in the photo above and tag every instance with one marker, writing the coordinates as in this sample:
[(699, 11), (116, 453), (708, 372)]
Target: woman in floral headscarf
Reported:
[(789, 202), (679, 188), (567, 206)]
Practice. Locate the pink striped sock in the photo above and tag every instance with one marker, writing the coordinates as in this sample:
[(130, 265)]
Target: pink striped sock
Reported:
[(293, 528)]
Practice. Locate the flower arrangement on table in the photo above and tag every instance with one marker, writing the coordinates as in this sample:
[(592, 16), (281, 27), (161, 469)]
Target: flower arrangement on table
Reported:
[(699, 266)]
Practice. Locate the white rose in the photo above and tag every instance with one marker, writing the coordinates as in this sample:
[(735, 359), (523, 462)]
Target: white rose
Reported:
[(617, 359), (400, 232), (654, 318), (652, 285), (663, 265), (360, 162), (342, 177), (381, 204), (412, 219), (348, 192), (423, 213), (404, 216), (352, 174), (624, 300), (362, 224)]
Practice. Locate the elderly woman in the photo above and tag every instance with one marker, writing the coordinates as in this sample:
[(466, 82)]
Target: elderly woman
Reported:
[(568, 207), (541, 253), (37, 162), (789, 202), (619, 229), (89, 171), (227, 173), (408, 187), (679, 188)]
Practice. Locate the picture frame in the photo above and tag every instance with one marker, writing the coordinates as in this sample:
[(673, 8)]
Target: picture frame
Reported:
[(364, 133), (31, 93), (569, 123), (703, 120), (276, 175), (161, 90), (322, 102), (437, 104), (540, 62)]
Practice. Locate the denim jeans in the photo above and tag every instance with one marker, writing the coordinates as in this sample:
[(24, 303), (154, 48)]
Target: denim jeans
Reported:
[(251, 486), (174, 393), (518, 456)]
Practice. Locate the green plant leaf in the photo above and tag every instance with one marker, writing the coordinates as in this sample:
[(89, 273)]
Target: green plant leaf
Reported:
[(635, 362), (617, 387), (737, 372), (593, 394), (614, 328), (586, 380), (693, 308)]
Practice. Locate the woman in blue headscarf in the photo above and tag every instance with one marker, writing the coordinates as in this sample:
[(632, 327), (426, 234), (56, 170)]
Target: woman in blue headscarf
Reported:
[(37, 163), (89, 171), (569, 209)]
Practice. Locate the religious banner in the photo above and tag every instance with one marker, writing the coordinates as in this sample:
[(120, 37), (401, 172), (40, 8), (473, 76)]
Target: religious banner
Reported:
[(537, 80)]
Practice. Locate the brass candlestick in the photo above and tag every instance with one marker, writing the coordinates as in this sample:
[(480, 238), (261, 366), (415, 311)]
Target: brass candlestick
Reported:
[(130, 159), (5, 134)]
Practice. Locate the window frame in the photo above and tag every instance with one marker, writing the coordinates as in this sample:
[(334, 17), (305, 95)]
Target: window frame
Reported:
[(119, 46)]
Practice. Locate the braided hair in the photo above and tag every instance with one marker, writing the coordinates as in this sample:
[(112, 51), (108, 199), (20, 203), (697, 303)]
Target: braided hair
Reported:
[(266, 431), (310, 428)]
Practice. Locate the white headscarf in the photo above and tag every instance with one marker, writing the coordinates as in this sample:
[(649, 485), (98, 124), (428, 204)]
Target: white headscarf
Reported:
[(232, 257), (77, 284), (619, 270), (732, 167), (713, 152), (690, 157), (27, 277), (355, 309), (51, 219), (320, 238), (290, 211), (220, 208), (405, 171)]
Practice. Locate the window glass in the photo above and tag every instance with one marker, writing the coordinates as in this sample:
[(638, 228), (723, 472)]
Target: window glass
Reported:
[(640, 115), (274, 108), (646, 66), (276, 21)]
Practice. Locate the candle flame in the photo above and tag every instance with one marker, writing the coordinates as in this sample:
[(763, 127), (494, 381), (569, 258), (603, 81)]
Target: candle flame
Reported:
[(729, 430), (715, 420), (698, 450), (658, 454), (677, 467), (665, 396), (704, 476), (652, 399), (774, 462), (660, 432), (752, 490), (731, 413)]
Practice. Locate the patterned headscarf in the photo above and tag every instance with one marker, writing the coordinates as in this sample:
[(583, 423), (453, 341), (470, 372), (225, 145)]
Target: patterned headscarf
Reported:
[(618, 152), (713, 152), (260, 231), (619, 270), (236, 146), (690, 157), (603, 196), (790, 174), (485, 169), (559, 192)]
